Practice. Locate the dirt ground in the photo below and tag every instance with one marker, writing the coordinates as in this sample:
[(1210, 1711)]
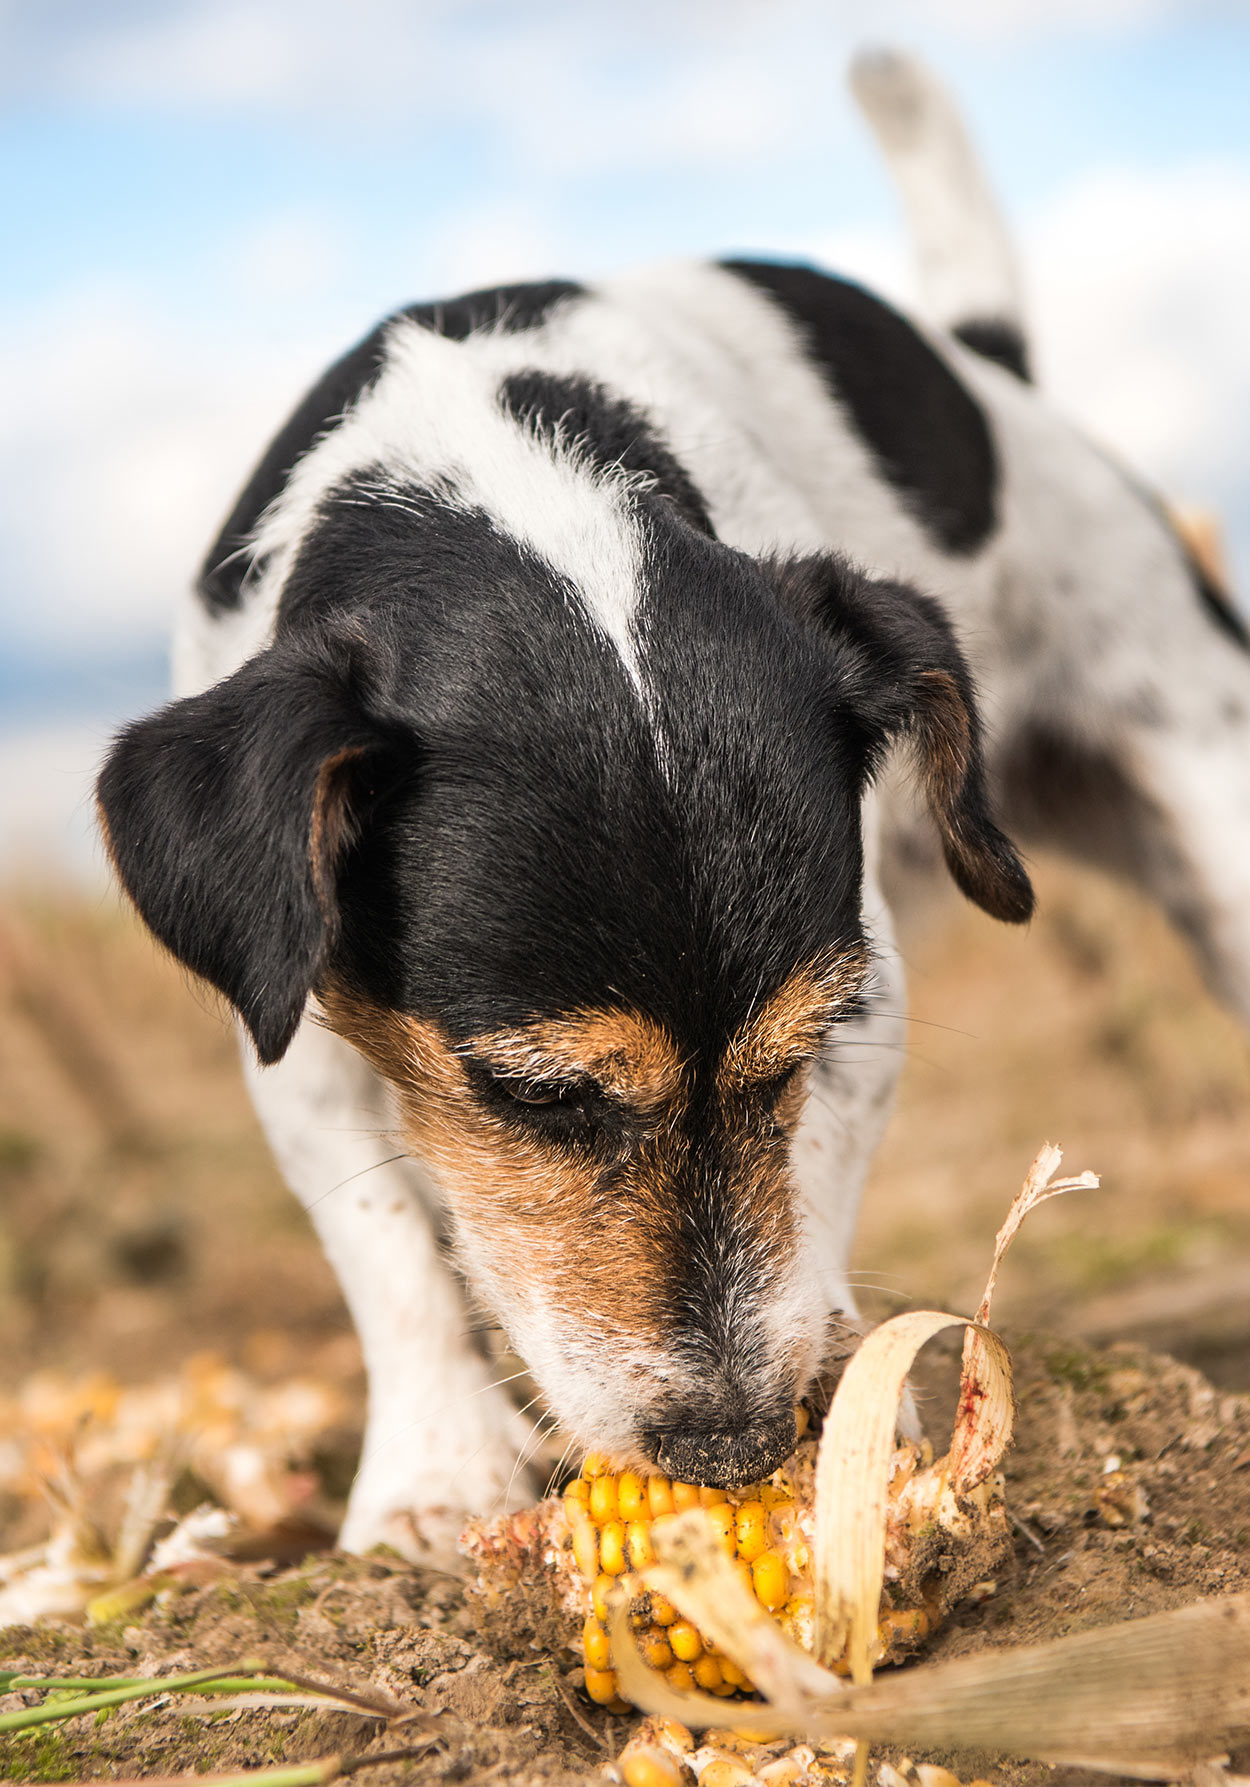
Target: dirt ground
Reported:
[(141, 1225)]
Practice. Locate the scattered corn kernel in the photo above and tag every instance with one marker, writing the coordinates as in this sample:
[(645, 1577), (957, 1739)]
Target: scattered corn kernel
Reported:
[(784, 1772), (645, 1765), (930, 1775), (905, 1623), (726, 1771)]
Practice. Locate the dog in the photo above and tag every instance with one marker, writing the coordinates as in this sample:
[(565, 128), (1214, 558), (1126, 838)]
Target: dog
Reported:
[(536, 773)]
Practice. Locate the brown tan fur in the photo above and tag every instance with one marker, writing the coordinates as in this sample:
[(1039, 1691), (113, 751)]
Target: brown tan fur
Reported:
[(603, 1236), (789, 1027)]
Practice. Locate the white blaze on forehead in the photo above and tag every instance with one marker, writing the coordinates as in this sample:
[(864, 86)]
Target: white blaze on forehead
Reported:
[(433, 419)]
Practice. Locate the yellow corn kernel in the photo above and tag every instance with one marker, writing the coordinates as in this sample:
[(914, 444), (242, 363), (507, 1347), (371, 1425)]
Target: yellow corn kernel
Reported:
[(680, 1677), (659, 1496), (784, 1772), (679, 1739), (648, 1766), (631, 1493), (601, 1685), (685, 1495), (586, 1550), (604, 1500), (657, 1652), (595, 1646), (596, 1465), (706, 1671), (902, 1623), (662, 1610), (726, 1771), (711, 1498), (685, 1640), (751, 1528), (772, 1497), (638, 1545), (733, 1675), (612, 1548), (603, 1586), (802, 1420), (576, 1491), (721, 1515), (771, 1580)]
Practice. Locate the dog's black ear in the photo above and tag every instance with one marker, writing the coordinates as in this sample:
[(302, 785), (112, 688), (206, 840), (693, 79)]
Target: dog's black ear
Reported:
[(901, 674), (227, 815)]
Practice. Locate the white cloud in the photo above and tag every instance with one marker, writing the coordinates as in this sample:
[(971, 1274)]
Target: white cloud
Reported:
[(559, 78), (1141, 288), (123, 438)]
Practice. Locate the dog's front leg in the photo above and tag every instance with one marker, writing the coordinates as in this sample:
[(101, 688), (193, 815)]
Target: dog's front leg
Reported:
[(442, 1438), (850, 1098)]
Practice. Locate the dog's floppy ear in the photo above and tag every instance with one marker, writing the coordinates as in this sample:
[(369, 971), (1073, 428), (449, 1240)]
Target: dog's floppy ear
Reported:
[(227, 814), (901, 674)]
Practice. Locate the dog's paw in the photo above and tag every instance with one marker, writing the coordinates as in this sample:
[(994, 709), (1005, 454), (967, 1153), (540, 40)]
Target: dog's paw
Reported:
[(423, 1521), (426, 1536)]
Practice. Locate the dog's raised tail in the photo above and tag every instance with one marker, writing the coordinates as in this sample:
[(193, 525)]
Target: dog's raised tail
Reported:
[(969, 284)]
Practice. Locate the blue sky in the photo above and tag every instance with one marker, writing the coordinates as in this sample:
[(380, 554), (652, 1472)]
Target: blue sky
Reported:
[(208, 199)]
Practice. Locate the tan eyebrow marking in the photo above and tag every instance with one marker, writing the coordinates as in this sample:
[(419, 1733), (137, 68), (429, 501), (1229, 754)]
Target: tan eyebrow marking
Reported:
[(629, 1055), (791, 1024)]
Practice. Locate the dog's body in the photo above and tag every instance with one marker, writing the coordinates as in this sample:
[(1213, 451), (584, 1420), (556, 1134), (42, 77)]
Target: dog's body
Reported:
[(534, 745)]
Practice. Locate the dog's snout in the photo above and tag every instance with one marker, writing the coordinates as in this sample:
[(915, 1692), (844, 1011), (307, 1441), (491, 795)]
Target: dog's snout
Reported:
[(722, 1457)]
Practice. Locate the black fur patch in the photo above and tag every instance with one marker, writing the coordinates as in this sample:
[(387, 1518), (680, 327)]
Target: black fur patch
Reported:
[(508, 307), (927, 433), (998, 341), (612, 431), (544, 861), (905, 677)]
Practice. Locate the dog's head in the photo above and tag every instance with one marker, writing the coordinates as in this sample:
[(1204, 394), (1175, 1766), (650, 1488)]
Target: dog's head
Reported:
[(565, 838)]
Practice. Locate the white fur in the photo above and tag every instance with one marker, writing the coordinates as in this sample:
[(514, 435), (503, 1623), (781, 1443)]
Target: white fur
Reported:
[(963, 253)]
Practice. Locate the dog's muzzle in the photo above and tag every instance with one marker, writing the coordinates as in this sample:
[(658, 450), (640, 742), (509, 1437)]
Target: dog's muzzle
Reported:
[(725, 1457)]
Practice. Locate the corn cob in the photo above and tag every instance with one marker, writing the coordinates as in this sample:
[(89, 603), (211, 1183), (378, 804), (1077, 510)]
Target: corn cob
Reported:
[(577, 1549)]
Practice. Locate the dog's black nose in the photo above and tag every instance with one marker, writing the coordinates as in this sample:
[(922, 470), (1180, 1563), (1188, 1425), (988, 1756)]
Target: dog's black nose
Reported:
[(722, 1457)]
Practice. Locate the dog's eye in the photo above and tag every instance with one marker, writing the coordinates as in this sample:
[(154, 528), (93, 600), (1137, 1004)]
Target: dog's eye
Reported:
[(774, 1089), (544, 1092)]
